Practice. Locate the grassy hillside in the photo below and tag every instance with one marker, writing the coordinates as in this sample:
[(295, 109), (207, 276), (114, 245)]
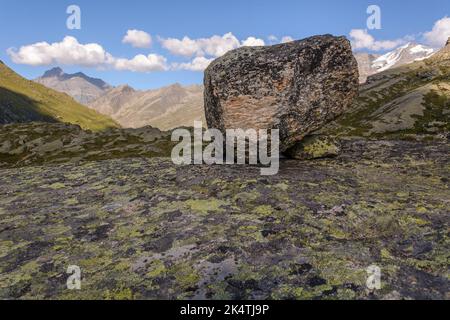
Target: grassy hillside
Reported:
[(22, 100), (403, 102)]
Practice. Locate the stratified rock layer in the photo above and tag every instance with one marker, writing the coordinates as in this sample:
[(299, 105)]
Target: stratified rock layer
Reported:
[(296, 87)]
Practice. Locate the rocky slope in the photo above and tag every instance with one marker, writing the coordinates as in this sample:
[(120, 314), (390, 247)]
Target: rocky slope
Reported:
[(370, 64), (46, 143), (22, 100), (164, 108), (402, 102), (82, 88)]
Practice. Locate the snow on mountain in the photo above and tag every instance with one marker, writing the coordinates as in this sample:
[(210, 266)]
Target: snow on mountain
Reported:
[(408, 53), (370, 64)]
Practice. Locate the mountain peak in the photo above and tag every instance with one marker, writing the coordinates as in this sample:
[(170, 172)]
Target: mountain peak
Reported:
[(55, 72), (175, 85), (78, 85), (448, 42), (61, 75), (407, 53), (370, 64), (125, 88)]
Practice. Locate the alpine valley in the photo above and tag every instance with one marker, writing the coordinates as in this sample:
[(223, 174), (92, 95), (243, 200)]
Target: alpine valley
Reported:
[(176, 105), (364, 181)]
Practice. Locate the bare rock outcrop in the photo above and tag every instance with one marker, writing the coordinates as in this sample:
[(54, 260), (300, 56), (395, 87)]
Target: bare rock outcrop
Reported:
[(295, 87)]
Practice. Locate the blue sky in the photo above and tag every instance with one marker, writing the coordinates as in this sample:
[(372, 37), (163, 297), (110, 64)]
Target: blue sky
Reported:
[(24, 23)]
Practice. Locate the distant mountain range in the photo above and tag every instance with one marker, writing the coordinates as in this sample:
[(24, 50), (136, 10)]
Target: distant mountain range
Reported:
[(165, 108), (82, 88), (370, 64), (22, 100), (177, 105)]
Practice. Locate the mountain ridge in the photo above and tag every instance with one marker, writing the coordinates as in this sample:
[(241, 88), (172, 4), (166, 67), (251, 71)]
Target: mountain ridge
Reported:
[(166, 108), (176, 105), (81, 87), (60, 74)]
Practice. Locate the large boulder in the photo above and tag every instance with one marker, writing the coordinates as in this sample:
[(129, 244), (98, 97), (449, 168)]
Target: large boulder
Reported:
[(295, 87)]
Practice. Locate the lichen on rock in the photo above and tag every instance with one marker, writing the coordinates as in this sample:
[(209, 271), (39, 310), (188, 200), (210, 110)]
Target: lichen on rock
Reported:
[(314, 147), (144, 228), (295, 87)]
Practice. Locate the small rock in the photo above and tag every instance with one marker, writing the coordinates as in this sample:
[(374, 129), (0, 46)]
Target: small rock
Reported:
[(314, 147)]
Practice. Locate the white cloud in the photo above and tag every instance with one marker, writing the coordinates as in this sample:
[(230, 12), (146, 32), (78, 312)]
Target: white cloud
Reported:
[(198, 64), (71, 52), (214, 46), (185, 47), (142, 63), (68, 52), (361, 39), (440, 33), (204, 50), (217, 46), (253, 42), (286, 39), (138, 39)]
